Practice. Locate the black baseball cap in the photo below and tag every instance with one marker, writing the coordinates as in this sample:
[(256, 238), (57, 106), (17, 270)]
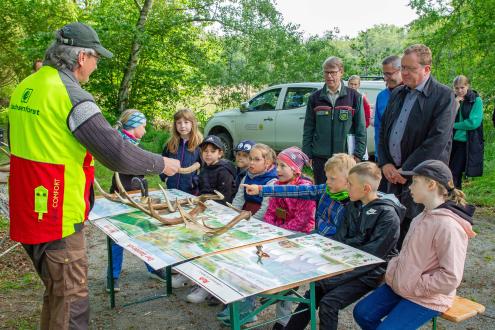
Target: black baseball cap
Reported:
[(245, 146), (433, 169), (214, 140), (81, 35)]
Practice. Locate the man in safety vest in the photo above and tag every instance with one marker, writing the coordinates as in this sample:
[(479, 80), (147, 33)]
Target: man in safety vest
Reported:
[(55, 129)]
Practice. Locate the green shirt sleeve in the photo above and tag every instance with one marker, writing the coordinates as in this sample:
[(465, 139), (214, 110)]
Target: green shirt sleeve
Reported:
[(475, 117)]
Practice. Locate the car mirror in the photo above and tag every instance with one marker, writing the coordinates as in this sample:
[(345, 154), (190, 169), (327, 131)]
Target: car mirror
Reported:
[(244, 106)]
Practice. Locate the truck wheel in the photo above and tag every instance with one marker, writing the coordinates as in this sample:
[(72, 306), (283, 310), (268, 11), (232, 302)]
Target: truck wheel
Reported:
[(227, 141)]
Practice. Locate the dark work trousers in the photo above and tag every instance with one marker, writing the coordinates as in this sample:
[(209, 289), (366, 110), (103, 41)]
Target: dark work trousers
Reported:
[(331, 296), (457, 164), (63, 267), (319, 170), (403, 193)]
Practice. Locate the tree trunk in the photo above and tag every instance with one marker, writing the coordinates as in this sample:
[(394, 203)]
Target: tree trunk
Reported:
[(130, 70)]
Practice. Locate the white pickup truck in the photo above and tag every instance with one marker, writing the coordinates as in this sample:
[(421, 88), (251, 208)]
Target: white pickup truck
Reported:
[(275, 116)]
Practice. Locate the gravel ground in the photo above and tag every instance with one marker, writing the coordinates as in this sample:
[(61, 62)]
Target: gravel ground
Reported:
[(20, 308)]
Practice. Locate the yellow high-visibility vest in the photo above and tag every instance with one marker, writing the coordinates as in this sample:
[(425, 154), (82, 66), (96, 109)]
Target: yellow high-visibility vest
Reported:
[(51, 173)]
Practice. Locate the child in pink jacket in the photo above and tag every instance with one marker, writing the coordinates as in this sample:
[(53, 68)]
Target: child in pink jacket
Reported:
[(421, 281), (290, 213)]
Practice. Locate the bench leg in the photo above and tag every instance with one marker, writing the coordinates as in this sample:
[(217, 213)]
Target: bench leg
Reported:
[(434, 323)]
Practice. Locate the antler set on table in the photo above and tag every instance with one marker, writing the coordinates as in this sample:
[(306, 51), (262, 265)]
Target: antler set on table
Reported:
[(190, 219)]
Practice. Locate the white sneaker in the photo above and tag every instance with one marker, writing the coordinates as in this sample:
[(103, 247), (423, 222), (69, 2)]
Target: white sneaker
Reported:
[(180, 281), (197, 295)]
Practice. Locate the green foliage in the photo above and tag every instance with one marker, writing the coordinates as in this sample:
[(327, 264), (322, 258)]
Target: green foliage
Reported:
[(462, 38), (26, 30)]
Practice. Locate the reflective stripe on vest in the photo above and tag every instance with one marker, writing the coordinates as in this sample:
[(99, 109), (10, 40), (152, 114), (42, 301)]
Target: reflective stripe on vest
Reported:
[(51, 172)]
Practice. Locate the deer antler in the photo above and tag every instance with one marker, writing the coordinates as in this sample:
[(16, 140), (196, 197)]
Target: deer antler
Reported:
[(186, 170)]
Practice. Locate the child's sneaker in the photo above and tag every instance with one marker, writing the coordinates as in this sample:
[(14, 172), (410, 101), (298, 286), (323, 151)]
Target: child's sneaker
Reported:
[(224, 314), (180, 281), (159, 275), (116, 287), (197, 295)]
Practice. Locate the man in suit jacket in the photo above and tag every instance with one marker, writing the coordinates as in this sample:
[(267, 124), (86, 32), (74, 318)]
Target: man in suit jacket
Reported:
[(416, 126)]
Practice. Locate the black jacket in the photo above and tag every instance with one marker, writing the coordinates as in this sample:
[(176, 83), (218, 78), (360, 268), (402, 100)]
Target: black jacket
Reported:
[(221, 177), (372, 228), (428, 132), (475, 143)]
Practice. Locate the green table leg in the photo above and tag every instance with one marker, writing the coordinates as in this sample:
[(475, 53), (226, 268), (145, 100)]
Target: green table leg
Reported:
[(312, 305), (235, 322), (168, 277), (434, 323), (110, 272)]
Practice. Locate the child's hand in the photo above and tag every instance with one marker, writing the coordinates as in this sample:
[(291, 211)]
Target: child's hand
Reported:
[(251, 189)]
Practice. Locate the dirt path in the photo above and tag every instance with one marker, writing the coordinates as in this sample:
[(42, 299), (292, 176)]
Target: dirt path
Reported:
[(20, 291)]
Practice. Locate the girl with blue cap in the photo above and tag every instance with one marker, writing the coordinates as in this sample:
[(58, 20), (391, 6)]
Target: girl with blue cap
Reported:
[(132, 126)]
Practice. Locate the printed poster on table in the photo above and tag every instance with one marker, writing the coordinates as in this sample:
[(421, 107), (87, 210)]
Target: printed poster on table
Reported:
[(162, 246), (234, 275)]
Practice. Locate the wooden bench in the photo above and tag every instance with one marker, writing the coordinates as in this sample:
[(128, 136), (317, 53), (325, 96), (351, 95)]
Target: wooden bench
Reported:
[(461, 310)]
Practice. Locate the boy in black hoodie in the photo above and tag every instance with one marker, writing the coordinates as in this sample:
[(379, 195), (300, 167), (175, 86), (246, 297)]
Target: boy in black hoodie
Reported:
[(218, 173), (371, 224)]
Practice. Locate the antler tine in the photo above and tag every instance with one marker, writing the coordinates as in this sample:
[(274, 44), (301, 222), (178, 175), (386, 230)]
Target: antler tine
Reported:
[(219, 194), (103, 192), (244, 215), (169, 205), (233, 207), (186, 170), (165, 221), (183, 214), (190, 201), (129, 198), (5, 151)]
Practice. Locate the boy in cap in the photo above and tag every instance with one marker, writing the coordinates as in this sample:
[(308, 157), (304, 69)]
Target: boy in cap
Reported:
[(242, 160), (217, 173)]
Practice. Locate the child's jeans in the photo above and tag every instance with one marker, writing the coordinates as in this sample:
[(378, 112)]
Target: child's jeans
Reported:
[(399, 313), (117, 259)]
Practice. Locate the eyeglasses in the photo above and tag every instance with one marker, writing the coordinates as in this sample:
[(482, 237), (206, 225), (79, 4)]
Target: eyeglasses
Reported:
[(332, 73), (410, 68), (95, 55), (390, 74)]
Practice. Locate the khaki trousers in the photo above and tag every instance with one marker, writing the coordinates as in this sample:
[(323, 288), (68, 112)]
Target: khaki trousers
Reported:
[(63, 267)]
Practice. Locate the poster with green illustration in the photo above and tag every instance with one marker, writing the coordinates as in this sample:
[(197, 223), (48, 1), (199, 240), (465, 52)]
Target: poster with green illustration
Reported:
[(162, 245), (238, 274)]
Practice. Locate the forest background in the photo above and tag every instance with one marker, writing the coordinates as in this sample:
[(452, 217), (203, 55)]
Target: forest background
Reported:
[(210, 55)]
